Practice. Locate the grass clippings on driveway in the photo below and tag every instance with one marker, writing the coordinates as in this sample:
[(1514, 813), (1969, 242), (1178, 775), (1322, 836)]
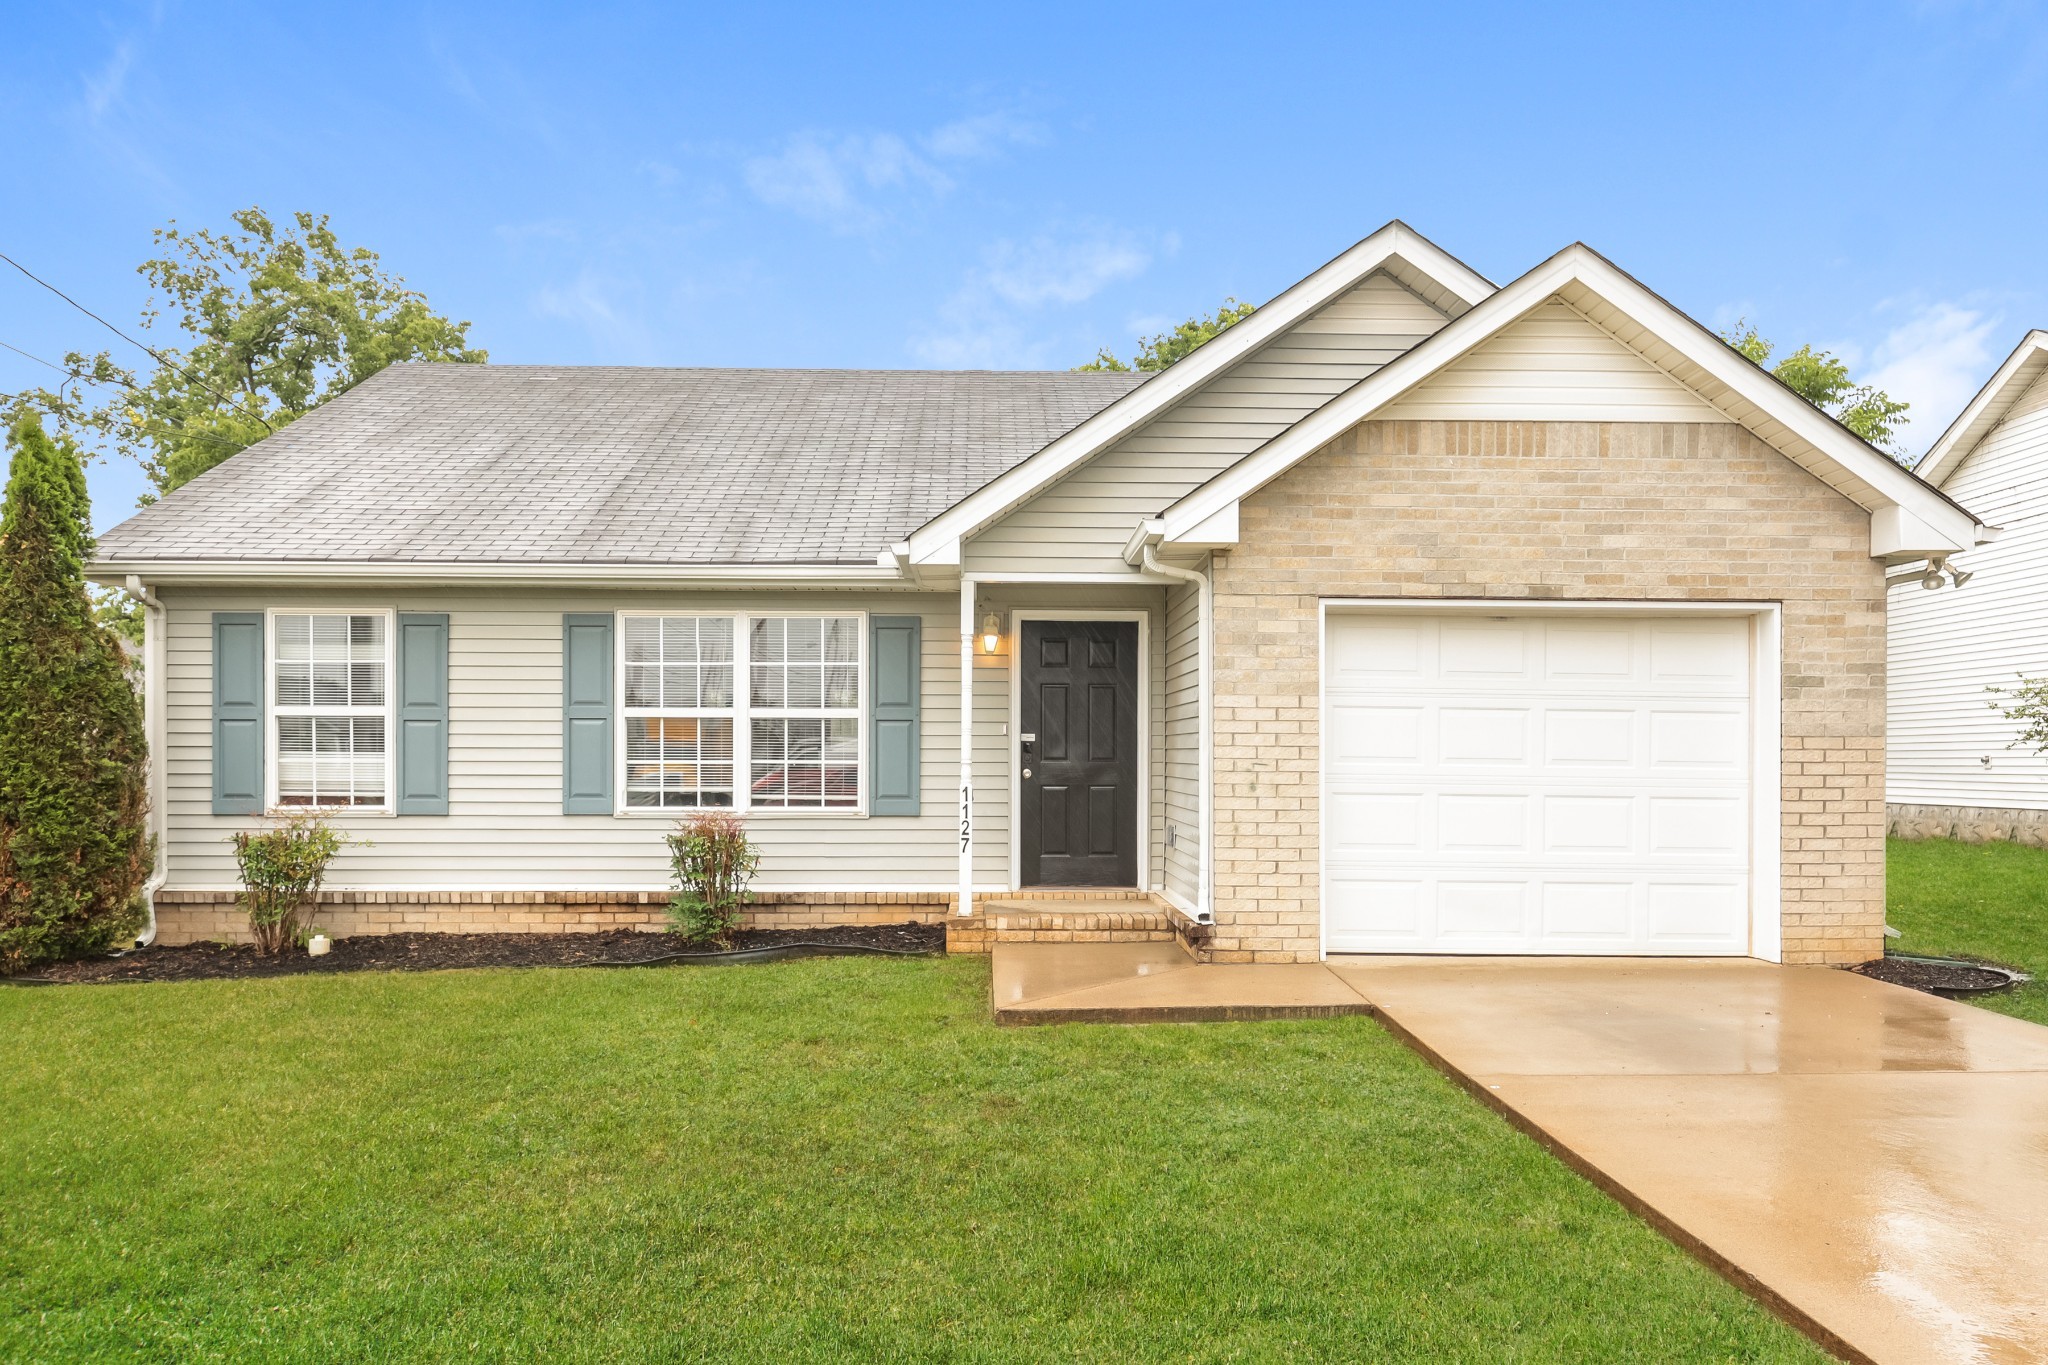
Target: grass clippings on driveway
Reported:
[(826, 1160), (1990, 901)]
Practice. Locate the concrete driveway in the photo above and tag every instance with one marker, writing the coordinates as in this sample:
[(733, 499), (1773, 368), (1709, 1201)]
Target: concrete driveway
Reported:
[(1871, 1161)]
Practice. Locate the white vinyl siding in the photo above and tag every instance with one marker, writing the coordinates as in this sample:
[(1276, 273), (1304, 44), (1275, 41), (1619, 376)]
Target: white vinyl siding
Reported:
[(1080, 524), (1945, 744), (1552, 366), (505, 829), (1182, 864)]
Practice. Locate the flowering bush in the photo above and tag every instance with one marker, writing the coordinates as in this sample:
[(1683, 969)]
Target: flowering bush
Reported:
[(282, 868), (712, 860)]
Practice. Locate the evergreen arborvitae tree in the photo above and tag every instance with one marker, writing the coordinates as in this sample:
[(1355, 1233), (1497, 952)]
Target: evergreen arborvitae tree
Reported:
[(74, 844)]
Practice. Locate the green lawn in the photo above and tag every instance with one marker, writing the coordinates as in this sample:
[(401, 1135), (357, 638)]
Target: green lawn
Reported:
[(1975, 900), (825, 1160)]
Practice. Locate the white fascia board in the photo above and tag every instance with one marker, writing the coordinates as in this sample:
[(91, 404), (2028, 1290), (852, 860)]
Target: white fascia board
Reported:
[(1217, 531), (1396, 241), (1580, 266), (1981, 414), (300, 574), (1897, 535)]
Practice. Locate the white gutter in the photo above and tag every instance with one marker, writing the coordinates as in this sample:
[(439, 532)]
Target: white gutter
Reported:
[(154, 690), (287, 572), (1205, 786)]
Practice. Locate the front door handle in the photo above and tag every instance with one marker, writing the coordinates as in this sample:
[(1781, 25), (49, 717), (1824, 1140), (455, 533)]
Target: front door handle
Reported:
[(1027, 772)]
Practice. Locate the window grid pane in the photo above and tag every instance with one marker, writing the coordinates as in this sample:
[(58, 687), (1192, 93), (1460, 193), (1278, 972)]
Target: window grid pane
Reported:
[(330, 732), (800, 715)]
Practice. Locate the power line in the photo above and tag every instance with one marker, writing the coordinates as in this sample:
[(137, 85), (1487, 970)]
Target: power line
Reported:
[(180, 434), (159, 356)]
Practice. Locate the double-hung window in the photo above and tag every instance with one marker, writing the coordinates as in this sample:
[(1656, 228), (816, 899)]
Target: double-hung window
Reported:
[(330, 690), (741, 711), (679, 711)]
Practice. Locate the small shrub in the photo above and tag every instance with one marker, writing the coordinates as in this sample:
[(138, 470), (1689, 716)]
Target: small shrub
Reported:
[(712, 861), (282, 868)]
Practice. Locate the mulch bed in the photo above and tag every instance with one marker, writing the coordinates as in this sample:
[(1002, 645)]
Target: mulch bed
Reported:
[(439, 952), (1935, 978)]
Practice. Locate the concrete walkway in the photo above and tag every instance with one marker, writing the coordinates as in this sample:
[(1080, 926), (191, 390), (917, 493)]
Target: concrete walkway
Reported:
[(1870, 1161)]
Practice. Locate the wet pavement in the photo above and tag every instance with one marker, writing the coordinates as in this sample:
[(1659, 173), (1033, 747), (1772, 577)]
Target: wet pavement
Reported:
[(1140, 983), (1871, 1161)]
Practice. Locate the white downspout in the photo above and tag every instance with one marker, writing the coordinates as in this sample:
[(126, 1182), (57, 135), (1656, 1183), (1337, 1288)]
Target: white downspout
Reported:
[(967, 594), (1205, 785), (153, 730)]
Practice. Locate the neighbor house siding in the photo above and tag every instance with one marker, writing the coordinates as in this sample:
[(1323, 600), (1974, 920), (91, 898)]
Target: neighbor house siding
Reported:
[(1553, 366), (1081, 523), (505, 829), (1183, 853), (1536, 510), (1948, 746)]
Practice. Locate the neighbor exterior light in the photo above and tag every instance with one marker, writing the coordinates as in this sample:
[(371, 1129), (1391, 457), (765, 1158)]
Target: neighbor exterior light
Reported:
[(991, 633)]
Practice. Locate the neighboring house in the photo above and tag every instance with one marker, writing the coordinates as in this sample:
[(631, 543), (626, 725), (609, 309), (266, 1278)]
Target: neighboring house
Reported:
[(1951, 768), (1411, 614)]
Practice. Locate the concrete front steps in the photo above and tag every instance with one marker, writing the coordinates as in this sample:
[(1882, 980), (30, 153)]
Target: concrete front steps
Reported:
[(1070, 916)]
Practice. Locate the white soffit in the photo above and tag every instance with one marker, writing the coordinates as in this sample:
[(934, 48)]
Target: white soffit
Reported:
[(1419, 264), (2027, 363), (1613, 300)]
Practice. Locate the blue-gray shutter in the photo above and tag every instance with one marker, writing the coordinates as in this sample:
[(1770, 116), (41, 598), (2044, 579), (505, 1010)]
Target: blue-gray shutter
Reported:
[(422, 712), (238, 713), (894, 657), (587, 713)]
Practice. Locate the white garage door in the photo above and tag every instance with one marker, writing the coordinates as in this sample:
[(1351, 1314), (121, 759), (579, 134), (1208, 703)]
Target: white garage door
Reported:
[(1542, 784)]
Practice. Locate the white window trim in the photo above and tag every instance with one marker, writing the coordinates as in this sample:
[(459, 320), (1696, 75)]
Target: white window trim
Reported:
[(742, 713), (389, 710)]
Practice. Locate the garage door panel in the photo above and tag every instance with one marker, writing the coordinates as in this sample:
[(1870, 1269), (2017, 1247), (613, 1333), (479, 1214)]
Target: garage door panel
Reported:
[(1477, 734), (1700, 740), (1537, 785), (1575, 738), (1364, 737)]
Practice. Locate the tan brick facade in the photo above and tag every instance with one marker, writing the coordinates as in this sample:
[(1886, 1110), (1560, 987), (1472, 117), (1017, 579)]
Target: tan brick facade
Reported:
[(1548, 511), (203, 916)]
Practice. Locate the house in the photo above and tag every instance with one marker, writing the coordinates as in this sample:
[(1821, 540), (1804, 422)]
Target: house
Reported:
[(1412, 614), (1952, 768)]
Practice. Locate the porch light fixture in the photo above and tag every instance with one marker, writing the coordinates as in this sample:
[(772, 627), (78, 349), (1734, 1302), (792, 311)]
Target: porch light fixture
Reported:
[(991, 633)]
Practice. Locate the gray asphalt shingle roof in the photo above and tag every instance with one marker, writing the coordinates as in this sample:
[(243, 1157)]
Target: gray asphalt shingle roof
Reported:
[(440, 463)]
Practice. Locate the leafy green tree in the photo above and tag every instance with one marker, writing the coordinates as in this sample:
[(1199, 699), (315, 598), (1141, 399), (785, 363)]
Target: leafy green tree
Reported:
[(74, 846), (1157, 352), (275, 321), (1823, 380)]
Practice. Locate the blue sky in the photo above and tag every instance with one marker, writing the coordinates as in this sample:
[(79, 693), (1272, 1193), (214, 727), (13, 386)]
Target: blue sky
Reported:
[(1015, 186)]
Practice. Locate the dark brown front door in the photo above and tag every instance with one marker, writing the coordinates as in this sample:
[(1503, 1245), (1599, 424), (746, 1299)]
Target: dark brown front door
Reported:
[(1077, 751)]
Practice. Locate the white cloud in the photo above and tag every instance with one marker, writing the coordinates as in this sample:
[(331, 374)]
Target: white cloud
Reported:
[(983, 135), (830, 177), (845, 179), (983, 323), (1935, 360), (103, 89), (1043, 270), (589, 301)]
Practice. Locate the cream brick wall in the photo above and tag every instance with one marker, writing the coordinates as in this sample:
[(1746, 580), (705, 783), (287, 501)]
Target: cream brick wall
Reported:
[(1557, 510)]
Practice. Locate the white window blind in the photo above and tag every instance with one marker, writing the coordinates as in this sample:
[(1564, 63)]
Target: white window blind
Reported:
[(330, 699)]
